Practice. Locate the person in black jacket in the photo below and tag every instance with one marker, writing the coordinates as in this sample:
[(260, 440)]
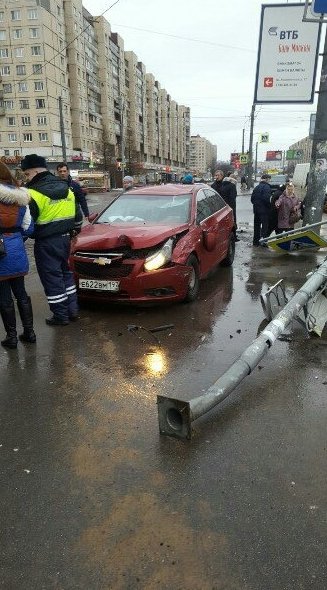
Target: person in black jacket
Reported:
[(260, 200), (63, 173), (226, 187), (56, 217)]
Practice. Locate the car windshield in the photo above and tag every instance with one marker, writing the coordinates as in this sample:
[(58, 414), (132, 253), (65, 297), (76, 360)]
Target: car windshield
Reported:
[(147, 209)]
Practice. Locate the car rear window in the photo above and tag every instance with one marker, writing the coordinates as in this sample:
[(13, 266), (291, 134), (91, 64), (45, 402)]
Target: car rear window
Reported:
[(278, 179), (149, 209)]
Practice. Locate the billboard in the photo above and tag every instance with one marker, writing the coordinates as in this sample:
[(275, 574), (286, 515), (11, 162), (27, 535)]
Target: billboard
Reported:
[(287, 55), (271, 156), (294, 154)]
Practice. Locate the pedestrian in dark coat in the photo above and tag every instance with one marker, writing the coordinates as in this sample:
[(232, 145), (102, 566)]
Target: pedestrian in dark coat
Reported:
[(260, 200), (15, 223), (226, 187), (55, 211), (80, 195)]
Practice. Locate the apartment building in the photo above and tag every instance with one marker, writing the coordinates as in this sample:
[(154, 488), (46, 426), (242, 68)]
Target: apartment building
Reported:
[(203, 155), (33, 75), (54, 55)]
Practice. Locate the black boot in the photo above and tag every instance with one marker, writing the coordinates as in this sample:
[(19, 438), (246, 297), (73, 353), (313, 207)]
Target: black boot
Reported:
[(9, 321), (26, 315)]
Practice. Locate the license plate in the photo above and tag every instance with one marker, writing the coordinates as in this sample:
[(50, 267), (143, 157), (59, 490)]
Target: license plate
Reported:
[(99, 285)]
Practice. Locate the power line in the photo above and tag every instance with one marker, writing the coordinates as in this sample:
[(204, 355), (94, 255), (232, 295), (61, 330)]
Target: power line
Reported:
[(186, 38)]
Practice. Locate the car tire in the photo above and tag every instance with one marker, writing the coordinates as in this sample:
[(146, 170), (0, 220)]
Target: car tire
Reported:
[(194, 279), (228, 261)]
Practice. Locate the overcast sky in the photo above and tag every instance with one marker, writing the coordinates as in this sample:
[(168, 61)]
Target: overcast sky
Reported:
[(204, 52)]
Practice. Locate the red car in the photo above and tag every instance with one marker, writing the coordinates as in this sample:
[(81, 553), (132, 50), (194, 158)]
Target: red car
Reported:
[(154, 244)]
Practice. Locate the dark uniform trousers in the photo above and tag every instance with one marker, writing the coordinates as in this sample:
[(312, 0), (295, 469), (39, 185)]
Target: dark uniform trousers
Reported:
[(51, 257), (261, 225)]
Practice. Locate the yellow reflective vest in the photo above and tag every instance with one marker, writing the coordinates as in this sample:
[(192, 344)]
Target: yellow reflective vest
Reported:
[(56, 216)]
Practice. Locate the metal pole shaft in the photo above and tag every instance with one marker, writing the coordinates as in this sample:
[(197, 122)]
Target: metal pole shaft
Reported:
[(317, 180), (256, 159), (176, 416), (243, 134), (62, 131), (259, 347), (122, 131), (250, 166)]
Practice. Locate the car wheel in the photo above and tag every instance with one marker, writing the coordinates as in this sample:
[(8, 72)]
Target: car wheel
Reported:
[(228, 261), (194, 279)]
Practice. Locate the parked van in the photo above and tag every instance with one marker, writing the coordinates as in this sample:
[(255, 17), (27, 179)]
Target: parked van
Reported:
[(300, 178)]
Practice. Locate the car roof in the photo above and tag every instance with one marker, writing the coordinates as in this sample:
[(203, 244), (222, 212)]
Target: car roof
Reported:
[(166, 189)]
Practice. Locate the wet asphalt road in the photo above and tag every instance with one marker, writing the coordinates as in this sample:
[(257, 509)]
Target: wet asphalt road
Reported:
[(92, 498)]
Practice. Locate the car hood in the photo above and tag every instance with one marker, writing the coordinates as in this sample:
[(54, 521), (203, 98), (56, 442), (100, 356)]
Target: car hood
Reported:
[(100, 236)]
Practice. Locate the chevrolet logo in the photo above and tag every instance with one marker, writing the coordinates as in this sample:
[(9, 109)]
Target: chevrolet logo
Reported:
[(102, 261)]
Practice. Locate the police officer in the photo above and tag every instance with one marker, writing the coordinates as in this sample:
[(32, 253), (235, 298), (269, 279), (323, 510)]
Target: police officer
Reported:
[(56, 217)]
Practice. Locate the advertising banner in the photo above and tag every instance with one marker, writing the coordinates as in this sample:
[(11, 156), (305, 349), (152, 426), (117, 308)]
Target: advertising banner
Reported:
[(294, 154), (287, 55), (270, 156)]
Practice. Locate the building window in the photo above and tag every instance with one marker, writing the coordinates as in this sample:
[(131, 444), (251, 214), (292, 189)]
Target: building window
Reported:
[(24, 104), (11, 121), (7, 88), (4, 53), (34, 33), (19, 52), (15, 14), (40, 103), (6, 152), (27, 137), (22, 86), (2, 16), (5, 71), (36, 50), (38, 86), (3, 35), (37, 68), (32, 14), (41, 120), (18, 33), (8, 104), (12, 136), (26, 121), (21, 70), (43, 136), (16, 152)]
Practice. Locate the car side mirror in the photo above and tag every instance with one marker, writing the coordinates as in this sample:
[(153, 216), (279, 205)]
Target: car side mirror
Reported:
[(92, 217), (209, 240)]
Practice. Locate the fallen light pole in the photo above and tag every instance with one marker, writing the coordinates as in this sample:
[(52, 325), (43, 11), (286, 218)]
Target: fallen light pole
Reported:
[(176, 416)]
